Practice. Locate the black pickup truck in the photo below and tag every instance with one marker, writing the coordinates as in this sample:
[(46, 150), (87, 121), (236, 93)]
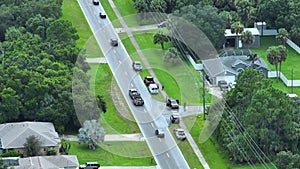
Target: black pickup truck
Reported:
[(136, 97)]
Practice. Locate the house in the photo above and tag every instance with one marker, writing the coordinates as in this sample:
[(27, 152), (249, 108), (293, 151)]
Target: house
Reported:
[(13, 136), (227, 67), (43, 162), (231, 38)]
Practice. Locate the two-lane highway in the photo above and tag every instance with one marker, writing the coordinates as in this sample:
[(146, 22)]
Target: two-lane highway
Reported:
[(148, 117)]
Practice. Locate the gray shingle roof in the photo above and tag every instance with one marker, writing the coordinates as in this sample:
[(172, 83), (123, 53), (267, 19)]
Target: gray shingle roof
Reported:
[(214, 66), (13, 135), (48, 162)]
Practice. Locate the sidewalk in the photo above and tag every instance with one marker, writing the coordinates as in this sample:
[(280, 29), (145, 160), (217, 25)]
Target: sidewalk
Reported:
[(129, 167), (145, 61)]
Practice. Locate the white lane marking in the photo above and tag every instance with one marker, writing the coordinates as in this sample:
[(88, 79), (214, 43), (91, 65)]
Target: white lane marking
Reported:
[(151, 124), (126, 73), (132, 86), (115, 52), (146, 112), (168, 155), (159, 139)]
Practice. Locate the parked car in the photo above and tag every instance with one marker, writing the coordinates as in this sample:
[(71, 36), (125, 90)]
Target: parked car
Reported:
[(223, 85), (175, 118), (172, 103), (232, 85), (137, 66), (96, 2), (102, 15), (114, 42), (149, 80), (90, 165), (160, 133), (180, 134), (153, 88)]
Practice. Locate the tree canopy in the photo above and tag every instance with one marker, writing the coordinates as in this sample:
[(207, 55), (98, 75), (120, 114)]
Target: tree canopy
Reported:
[(258, 111)]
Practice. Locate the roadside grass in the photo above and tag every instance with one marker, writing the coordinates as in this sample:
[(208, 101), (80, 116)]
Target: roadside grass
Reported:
[(292, 60), (112, 121), (125, 7), (213, 153), (72, 12), (281, 86), (145, 40), (111, 14), (114, 153), (186, 150)]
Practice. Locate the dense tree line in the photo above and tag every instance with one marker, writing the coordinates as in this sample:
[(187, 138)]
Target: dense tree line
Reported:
[(268, 116), (38, 54), (276, 13)]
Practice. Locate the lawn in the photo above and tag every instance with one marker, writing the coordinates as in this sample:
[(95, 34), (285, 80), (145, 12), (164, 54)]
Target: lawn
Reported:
[(72, 12), (113, 121), (111, 14), (214, 155), (120, 153), (292, 60)]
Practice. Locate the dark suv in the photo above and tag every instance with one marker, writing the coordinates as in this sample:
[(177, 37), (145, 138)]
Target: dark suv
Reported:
[(96, 2), (175, 118), (172, 103), (90, 165), (223, 85), (114, 42)]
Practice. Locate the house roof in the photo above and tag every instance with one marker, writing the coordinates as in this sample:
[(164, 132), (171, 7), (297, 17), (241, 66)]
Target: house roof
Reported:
[(214, 66), (48, 162), (13, 135), (254, 32)]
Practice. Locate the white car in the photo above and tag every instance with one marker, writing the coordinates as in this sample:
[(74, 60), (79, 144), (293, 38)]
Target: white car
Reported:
[(153, 88)]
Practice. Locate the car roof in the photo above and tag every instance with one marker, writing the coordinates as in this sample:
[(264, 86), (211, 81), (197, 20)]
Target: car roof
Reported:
[(180, 129), (133, 89)]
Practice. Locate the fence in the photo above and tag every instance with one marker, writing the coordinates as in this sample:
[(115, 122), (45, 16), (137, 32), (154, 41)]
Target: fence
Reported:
[(196, 66), (293, 45), (288, 83)]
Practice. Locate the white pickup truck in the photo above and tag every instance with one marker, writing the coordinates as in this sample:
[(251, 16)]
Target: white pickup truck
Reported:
[(153, 88)]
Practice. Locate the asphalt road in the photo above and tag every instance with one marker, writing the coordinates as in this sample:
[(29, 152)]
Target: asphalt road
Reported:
[(149, 117)]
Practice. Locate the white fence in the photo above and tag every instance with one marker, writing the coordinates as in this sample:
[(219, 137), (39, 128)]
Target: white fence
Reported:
[(293, 45), (288, 83), (196, 66)]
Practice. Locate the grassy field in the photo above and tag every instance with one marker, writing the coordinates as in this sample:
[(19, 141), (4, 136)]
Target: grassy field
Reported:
[(112, 121), (114, 154), (292, 60), (72, 12), (212, 152)]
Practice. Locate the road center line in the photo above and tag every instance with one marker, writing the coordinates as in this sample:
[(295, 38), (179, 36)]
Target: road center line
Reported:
[(168, 155)]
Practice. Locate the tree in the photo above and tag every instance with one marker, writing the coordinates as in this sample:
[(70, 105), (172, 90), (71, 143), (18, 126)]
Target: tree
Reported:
[(140, 6), (247, 38), (92, 133), (158, 6), (282, 53), (101, 103), (65, 147), (252, 57), (243, 8), (160, 38), (172, 56), (282, 36), (207, 19), (273, 57), (237, 28), (32, 146)]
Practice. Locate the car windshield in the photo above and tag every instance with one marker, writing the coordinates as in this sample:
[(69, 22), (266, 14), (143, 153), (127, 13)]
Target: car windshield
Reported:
[(173, 102)]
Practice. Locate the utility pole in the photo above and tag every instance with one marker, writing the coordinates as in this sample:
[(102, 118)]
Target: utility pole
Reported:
[(203, 94)]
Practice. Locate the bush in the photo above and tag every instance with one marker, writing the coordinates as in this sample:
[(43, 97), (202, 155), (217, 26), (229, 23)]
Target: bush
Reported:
[(51, 152), (10, 153)]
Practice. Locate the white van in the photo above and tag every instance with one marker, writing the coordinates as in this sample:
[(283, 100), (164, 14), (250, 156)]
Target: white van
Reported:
[(153, 89)]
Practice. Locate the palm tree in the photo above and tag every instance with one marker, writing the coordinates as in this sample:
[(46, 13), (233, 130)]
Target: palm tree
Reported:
[(282, 36), (282, 52), (253, 57), (273, 57), (247, 38), (237, 28), (160, 38)]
